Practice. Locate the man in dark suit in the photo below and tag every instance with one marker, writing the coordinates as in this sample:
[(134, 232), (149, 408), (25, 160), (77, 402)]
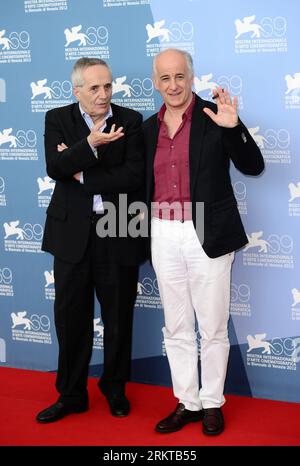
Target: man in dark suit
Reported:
[(195, 229), (94, 152)]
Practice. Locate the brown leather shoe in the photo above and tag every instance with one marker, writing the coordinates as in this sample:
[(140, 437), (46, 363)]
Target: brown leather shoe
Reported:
[(178, 419), (213, 421)]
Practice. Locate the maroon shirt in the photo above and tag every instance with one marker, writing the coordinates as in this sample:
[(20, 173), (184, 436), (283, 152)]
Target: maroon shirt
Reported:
[(171, 169)]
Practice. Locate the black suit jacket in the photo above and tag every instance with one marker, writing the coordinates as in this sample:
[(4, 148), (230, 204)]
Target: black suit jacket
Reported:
[(118, 169), (210, 150)]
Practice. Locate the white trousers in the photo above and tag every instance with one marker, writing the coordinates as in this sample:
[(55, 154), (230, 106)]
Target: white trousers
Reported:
[(192, 284)]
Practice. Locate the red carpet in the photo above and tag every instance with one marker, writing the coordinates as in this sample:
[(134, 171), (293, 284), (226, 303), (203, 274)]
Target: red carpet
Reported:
[(24, 393)]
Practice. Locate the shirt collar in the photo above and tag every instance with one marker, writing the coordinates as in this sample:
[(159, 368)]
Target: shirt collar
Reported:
[(87, 116), (187, 114)]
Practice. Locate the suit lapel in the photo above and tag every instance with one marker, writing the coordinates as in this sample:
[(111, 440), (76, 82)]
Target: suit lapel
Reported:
[(101, 150), (81, 129), (114, 119), (151, 141), (196, 141), (109, 122)]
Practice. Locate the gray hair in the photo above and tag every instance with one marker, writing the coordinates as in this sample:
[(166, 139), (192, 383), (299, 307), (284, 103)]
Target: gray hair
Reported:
[(81, 65), (187, 56)]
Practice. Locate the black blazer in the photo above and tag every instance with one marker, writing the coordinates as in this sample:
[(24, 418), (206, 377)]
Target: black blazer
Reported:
[(210, 150), (118, 169)]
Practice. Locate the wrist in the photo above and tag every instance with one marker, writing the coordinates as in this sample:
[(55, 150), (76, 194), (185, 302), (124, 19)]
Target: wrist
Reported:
[(90, 141), (94, 149), (234, 125)]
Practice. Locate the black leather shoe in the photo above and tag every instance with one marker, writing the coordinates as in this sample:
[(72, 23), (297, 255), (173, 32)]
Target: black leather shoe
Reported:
[(178, 419), (58, 411), (213, 421), (119, 405)]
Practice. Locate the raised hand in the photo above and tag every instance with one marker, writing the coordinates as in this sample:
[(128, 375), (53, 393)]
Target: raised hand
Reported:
[(227, 115), (97, 138)]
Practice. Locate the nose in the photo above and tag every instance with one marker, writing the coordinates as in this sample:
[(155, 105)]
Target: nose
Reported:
[(102, 93), (173, 84)]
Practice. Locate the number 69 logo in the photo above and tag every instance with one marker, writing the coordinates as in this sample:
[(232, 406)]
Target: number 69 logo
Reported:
[(240, 293), (5, 276), (40, 323), (2, 185), (33, 232)]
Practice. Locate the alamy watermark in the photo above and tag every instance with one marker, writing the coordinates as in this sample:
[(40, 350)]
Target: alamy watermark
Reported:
[(132, 220)]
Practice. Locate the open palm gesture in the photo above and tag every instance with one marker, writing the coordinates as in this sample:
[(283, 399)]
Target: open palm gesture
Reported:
[(226, 115)]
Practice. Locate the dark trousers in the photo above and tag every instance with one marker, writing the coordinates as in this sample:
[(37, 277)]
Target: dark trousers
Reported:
[(116, 288)]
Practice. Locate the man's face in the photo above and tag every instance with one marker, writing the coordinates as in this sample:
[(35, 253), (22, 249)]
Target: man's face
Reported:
[(173, 80), (96, 92)]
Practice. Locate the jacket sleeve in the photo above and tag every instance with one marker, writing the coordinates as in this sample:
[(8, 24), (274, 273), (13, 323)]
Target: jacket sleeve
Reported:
[(126, 176), (243, 150), (63, 165)]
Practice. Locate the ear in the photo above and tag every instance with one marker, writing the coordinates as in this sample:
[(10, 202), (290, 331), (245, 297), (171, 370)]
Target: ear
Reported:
[(155, 82), (76, 92)]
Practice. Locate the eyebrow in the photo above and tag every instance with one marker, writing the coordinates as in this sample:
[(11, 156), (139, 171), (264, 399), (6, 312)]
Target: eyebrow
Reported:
[(168, 75), (95, 86)]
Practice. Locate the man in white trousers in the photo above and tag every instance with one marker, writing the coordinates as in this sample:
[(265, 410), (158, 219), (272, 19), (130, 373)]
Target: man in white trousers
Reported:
[(195, 229)]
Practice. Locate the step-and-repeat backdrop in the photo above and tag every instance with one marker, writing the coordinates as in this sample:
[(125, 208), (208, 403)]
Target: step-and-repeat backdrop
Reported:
[(249, 47)]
